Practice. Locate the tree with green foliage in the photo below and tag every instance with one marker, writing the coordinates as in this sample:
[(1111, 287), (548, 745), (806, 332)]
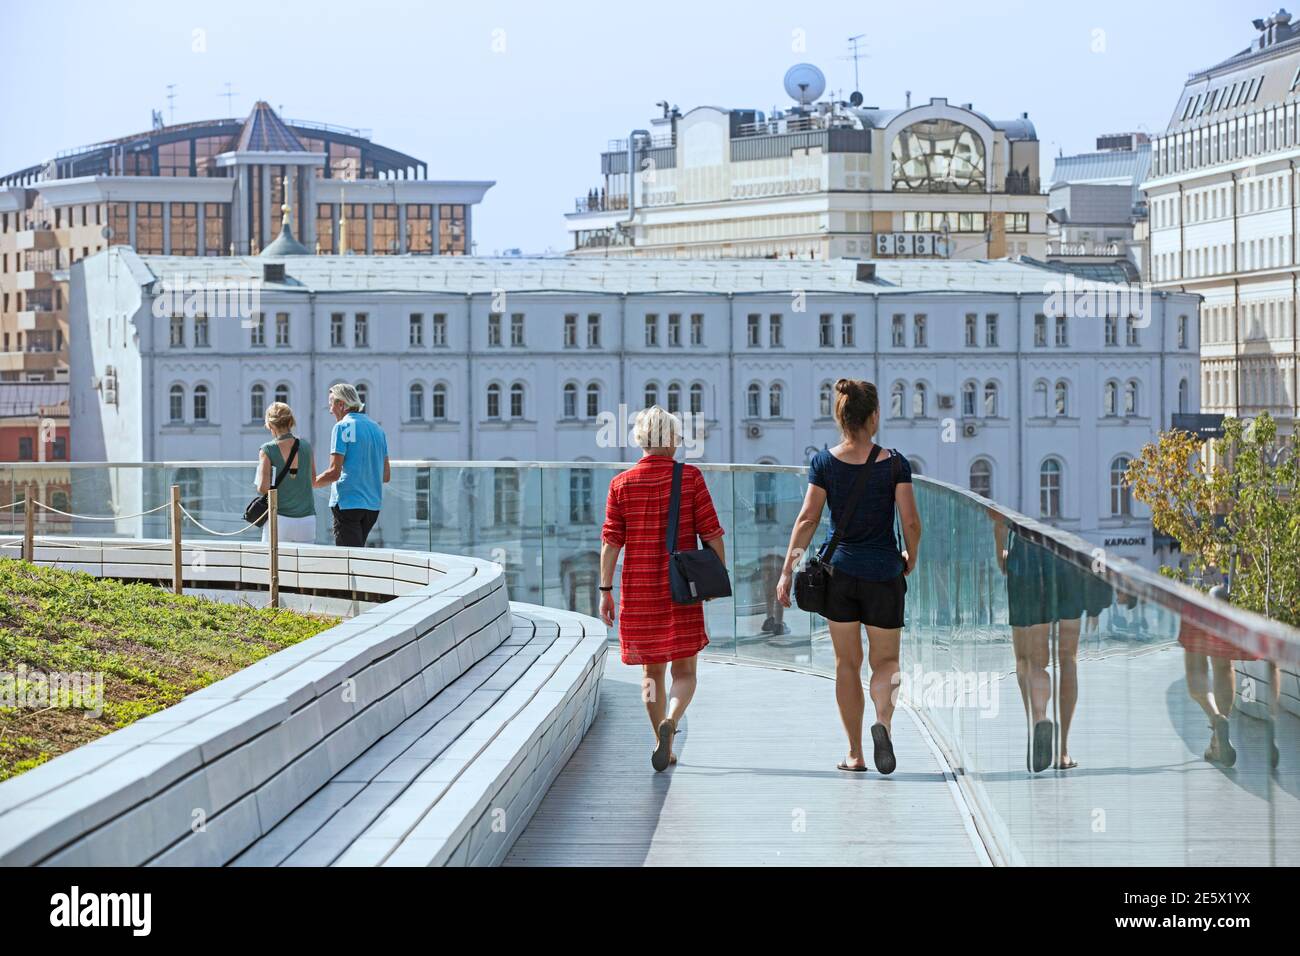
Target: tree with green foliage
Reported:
[(1233, 505)]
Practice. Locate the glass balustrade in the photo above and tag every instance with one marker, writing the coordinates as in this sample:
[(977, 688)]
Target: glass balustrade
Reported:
[(1025, 648)]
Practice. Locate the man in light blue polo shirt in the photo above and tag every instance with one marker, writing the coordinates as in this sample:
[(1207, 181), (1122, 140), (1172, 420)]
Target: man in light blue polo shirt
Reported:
[(358, 468)]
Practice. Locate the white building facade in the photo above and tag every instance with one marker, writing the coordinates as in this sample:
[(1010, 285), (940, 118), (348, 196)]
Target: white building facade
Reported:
[(1222, 195), (525, 359)]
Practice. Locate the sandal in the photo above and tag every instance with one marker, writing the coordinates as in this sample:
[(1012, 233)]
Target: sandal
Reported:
[(1069, 763), (1227, 754), (884, 749), (661, 756), (1040, 752), (844, 765)]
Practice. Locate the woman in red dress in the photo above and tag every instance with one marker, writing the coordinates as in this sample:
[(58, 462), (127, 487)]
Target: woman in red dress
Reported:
[(652, 630)]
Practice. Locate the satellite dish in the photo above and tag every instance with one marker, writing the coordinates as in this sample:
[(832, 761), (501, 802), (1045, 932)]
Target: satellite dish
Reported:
[(855, 98), (805, 83), (107, 232)]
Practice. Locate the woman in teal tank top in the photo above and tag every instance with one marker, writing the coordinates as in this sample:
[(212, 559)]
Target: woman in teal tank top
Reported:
[(295, 504)]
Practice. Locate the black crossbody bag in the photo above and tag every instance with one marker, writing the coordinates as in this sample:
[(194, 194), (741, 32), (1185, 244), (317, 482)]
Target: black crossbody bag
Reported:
[(696, 575), (812, 582), (255, 513)]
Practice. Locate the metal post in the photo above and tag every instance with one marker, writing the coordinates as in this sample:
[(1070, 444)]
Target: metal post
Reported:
[(274, 527), (177, 586), (29, 530)]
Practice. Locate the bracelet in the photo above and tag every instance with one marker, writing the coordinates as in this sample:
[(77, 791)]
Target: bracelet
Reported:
[(610, 588)]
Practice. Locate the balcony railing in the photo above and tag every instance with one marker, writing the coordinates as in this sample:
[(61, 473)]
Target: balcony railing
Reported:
[(599, 202), (1013, 630)]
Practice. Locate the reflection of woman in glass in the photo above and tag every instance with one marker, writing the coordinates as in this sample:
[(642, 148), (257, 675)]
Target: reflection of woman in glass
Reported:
[(1045, 590)]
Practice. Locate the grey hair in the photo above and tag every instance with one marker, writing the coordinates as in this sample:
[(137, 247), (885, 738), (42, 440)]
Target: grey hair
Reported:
[(657, 427), (347, 394)]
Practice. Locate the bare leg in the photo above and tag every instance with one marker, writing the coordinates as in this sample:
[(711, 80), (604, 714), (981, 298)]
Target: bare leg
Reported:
[(884, 671), (680, 693), (652, 693), (1067, 694), (1030, 644), (1225, 684), (847, 641), (1198, 685)]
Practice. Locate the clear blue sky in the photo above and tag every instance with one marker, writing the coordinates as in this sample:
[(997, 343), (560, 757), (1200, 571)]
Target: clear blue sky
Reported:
[(431, 79)]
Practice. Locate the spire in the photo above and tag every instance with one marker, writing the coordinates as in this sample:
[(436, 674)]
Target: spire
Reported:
[(265, 132)]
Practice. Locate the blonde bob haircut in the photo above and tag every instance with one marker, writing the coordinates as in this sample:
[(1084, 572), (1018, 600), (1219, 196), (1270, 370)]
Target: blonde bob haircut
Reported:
[(657, 427)]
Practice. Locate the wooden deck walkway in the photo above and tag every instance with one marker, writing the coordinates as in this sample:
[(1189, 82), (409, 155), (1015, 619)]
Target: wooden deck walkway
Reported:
[(756, 784)]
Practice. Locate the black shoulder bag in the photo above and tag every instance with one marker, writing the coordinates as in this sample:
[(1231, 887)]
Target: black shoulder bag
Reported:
[(695, 575), (255, 513)]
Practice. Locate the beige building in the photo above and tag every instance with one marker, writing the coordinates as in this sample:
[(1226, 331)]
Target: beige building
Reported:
[(1222, 195), (824, 180)]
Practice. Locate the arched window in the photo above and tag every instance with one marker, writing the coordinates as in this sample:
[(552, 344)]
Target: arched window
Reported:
[(363, 393), (753, 400), (896, 394), (282, 393), (1049, 488), (990, 399), (674, 398), (919, 401), (981, 477), (176, 403), (1110, 400), (917, 466), (938, 155), (593, 399), (494, 401), (1040, 399), (697, 399), (1121, 495), (968, 399), (415, 402), (439, 402), (825, 400), (776, 401), (517, 400), (200, 403), (1131, 397), (1062, 398), (1182, 396), (570, 400), (257, 403)]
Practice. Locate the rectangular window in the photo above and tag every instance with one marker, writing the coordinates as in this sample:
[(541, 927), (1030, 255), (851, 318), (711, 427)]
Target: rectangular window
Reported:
[(25, 448), (651, 331), (972, 329), (282, 330), (177, 339), (1182, 331), (826, 338), (990, 331), (674, 331), (1112, 330), (415, 334), (1062, 332), (201, 331), (494, 330), (774, 331), (571, 331), (753, 330), (1040, 331), (918, 331), (846, 331), (593, 331), (517, 330), (257, 331), (1132, 331), (361, 330), (899, 332), (439, 337), (697, 329), (336, 330)]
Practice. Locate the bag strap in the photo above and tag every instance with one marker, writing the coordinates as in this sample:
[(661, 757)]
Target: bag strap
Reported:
[(674, 508), (288, 463), (895, 469), (850, 506)]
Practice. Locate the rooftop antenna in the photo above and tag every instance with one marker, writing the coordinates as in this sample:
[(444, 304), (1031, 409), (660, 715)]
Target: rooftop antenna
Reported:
[(855, 54), (229, 95), (171, 104)]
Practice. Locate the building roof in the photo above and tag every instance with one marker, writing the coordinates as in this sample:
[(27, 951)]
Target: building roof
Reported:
[(1106, 168), (265, 132), (466, 275), (285, 244), (29, 399)]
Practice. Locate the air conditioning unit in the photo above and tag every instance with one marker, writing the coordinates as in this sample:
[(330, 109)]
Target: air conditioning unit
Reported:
[(755, 431), (969, 430), (945, 401)]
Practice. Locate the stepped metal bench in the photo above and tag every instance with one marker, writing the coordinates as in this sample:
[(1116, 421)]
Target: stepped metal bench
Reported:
[(424, 731)]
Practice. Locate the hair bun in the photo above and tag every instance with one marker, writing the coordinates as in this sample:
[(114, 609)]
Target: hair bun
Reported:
[(845, 386)]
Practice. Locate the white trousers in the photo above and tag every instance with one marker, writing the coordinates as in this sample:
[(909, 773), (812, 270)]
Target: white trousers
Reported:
[(292, 530)]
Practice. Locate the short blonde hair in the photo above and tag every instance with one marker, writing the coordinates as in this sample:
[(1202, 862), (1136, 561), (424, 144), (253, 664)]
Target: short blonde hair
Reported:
[(657, 427), (347, 394), (280, 416)]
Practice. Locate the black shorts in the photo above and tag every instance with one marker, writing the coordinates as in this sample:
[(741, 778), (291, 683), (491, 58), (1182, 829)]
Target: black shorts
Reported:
[(877, 603), (352, 526)]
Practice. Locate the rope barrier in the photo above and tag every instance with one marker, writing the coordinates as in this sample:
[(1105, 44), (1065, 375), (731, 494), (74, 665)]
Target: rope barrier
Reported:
[(68, 514), (219, 534), (12, 504), (56, 542)]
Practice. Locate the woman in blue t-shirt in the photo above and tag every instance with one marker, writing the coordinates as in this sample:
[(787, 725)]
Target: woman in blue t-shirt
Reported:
[(868, 579)]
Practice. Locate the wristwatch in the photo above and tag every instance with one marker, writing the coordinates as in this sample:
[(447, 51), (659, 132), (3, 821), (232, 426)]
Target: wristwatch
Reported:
[(610, 588)]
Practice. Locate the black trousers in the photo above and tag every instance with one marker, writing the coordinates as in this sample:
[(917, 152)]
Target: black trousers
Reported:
[(352, 526)]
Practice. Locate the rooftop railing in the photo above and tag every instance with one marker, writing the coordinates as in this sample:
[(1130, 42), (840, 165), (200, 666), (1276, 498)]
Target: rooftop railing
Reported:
[(1025, 648)]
